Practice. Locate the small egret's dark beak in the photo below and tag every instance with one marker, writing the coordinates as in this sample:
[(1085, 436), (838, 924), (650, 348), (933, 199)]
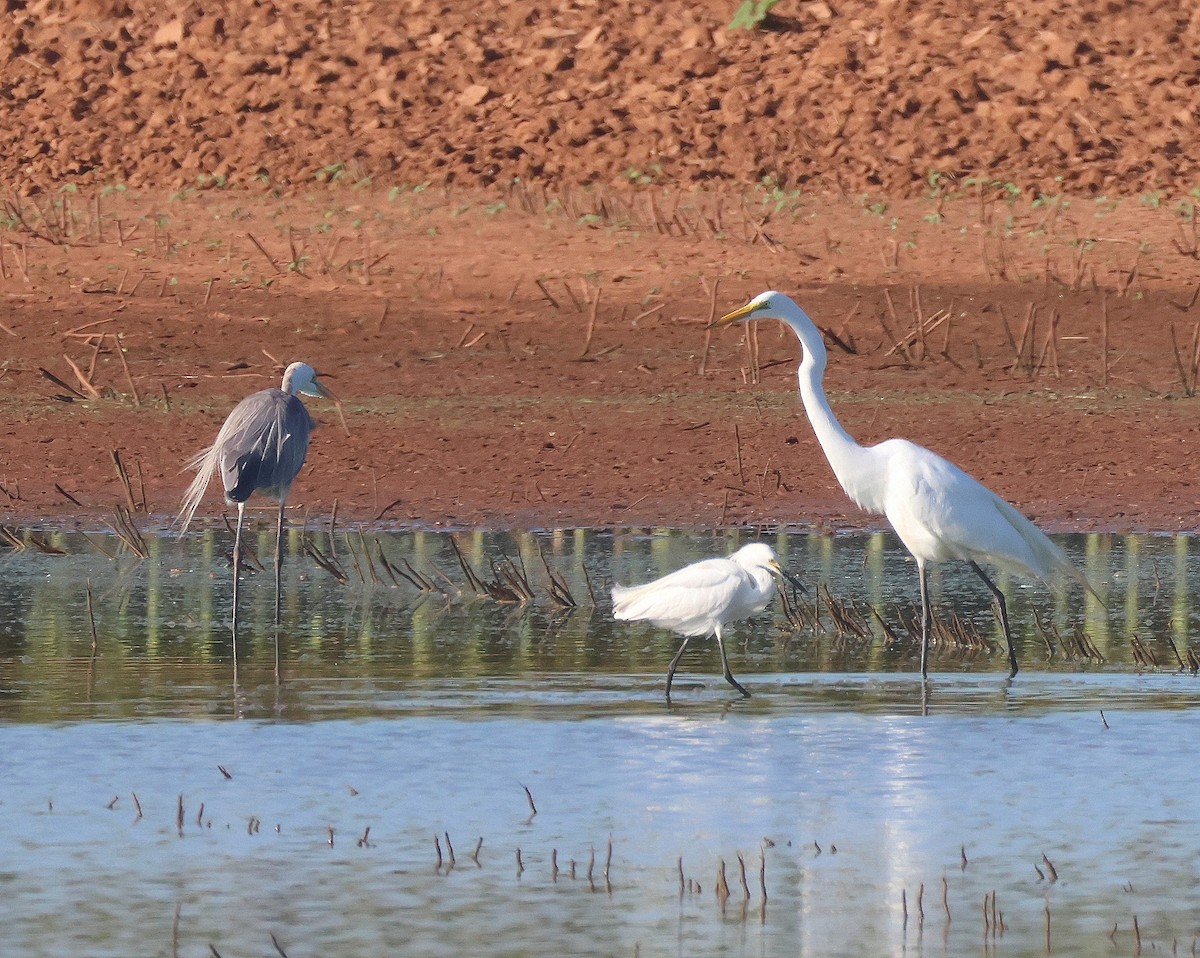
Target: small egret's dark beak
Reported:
[(730, 318), (792, 579)]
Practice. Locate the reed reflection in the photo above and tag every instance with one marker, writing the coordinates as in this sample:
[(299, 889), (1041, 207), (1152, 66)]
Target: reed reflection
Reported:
[(425, 606)]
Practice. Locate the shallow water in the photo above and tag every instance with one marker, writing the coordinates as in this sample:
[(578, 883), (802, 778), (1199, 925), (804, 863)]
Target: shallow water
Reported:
[(420, 715)]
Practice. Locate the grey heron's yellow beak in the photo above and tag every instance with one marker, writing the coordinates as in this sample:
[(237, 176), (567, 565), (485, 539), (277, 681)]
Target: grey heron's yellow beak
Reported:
[(738, 314), (315, 387), (320, 389)]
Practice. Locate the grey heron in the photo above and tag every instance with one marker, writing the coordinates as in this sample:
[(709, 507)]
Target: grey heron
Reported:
[(260, 448)]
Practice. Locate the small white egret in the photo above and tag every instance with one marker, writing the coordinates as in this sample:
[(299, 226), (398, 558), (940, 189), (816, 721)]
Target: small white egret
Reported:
[(702, 598), (260, 448), (937, 510)]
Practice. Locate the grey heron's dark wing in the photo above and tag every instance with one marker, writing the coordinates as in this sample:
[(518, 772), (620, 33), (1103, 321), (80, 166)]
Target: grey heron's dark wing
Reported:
[(263, 444)]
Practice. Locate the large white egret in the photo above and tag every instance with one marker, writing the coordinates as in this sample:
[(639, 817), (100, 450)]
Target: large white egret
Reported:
[(938, 511), (260, 448), (704, 597)]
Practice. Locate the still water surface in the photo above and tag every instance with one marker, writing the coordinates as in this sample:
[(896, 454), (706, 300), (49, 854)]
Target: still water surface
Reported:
[(417, 715)]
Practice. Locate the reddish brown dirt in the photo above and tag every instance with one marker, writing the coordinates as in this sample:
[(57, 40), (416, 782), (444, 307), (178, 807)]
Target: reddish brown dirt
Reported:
[(849, 95), (534, 353)]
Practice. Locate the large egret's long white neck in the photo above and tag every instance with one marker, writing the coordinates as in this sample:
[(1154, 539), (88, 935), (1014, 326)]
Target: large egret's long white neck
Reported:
[(847, 458)]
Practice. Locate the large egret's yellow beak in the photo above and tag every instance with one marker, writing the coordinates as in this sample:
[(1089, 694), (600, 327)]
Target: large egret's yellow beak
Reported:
[(730, 318)]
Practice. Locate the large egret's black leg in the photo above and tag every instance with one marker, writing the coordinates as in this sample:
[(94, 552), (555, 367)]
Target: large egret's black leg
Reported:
[(237, 568), (926, 616), (675, 664), (1002, 609), (725, 662)]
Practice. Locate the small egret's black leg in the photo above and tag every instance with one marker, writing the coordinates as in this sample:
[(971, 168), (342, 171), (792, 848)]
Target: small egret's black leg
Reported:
[(725, 663), (675, 664)]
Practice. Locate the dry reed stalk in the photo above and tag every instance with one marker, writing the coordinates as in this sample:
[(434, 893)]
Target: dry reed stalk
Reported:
[(722, 886), (891, 307), (914, 306), (21, 257), (91, 390), (1184, 307), (737, 438), (124, 477), (1019, 347), (1049, 347), (1187, 374), (91, 622), (574, 298), (654, 309), (546, 293), (1126, 280), (712, 315), (137, 401), (752, 351), (916, 336), (591, 325), (262, 249), (61, 385), (97, 343)]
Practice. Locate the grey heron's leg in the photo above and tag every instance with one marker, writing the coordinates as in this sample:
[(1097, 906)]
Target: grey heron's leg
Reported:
[(278, 577), (725, 663), (1002, 609), (237, 568), (925, 620), (675, 664)]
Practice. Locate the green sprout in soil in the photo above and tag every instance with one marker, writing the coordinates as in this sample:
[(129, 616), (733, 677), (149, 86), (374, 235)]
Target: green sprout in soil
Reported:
[(751, 15)]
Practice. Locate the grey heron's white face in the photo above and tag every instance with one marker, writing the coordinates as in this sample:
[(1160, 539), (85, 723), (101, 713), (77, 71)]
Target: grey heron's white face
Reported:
[(301, 378)]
